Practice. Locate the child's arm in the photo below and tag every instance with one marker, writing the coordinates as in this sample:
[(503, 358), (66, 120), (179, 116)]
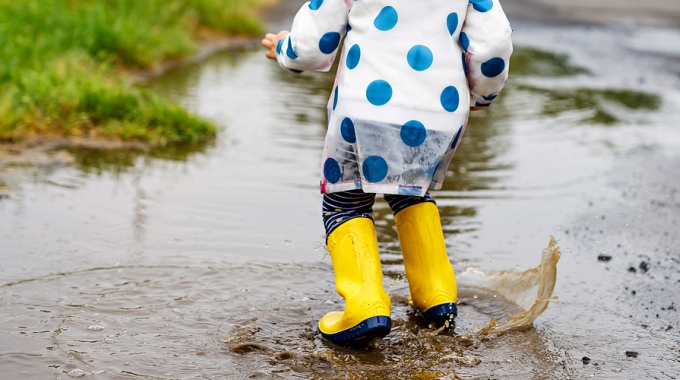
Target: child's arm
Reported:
[(485, 37), (314, 38)]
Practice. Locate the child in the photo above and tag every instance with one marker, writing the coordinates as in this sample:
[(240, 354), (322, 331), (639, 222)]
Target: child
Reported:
[(409, 73)]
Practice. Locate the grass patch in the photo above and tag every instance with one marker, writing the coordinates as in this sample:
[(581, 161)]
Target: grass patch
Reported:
[(62, 76)]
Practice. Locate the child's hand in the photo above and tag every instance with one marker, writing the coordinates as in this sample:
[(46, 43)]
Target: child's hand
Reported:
[(270, 41)]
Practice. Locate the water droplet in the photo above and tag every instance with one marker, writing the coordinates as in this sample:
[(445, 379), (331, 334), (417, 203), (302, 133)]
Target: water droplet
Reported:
[(76, 372), (95, 328)]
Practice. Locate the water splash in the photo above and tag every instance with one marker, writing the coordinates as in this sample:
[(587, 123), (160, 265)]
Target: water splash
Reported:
[(531, 289)]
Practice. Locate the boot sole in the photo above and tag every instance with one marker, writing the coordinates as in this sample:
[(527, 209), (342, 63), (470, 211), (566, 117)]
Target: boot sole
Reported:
[(441, 313), (368, 328)]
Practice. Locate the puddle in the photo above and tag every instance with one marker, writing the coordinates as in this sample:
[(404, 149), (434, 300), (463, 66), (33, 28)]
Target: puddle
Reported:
[(208, 261), (174, 322)]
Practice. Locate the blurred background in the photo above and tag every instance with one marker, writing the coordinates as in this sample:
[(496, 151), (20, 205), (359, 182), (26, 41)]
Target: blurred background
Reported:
[(160, 212)]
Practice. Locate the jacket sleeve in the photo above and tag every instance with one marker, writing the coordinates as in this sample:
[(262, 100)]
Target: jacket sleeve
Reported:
[(315, 36), (485, 38)]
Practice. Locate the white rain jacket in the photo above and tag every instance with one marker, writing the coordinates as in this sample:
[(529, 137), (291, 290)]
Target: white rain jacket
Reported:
[(409, 72)]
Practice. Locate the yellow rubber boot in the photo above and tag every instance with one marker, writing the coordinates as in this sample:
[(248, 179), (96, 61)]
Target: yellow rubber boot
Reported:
[(358, 278), (428, 269)]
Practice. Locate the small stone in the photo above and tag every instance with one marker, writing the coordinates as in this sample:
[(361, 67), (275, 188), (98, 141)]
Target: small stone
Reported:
[(585, 360), (644, 267), (632, 269), (604, 258), (632, 354)]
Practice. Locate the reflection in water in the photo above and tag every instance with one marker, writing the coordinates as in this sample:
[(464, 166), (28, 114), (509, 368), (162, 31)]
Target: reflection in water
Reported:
[(140, 217), (528, 61), (222, 242), (600, 106), (119, 161)]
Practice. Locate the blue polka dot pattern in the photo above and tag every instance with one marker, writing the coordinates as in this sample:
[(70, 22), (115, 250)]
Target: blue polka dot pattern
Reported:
[(374, 168), (386, 19), (482, 5), (331, 170), (329, 42), (335, 97), (464, 41), (353, 56), (347, 130), (452, 22), (493, 67), (413, 133), (315, 4), (419, 57), (450, 98), (289, 50), (456, 138), (278, 47), (379, 92)]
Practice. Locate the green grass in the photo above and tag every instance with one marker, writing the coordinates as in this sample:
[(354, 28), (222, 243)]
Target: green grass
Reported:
[(63, 60)]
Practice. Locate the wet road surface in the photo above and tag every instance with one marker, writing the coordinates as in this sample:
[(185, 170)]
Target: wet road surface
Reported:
[(208, 261)]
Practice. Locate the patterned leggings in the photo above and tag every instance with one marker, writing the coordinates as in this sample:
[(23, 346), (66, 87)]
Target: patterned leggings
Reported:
[(345, 205)]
